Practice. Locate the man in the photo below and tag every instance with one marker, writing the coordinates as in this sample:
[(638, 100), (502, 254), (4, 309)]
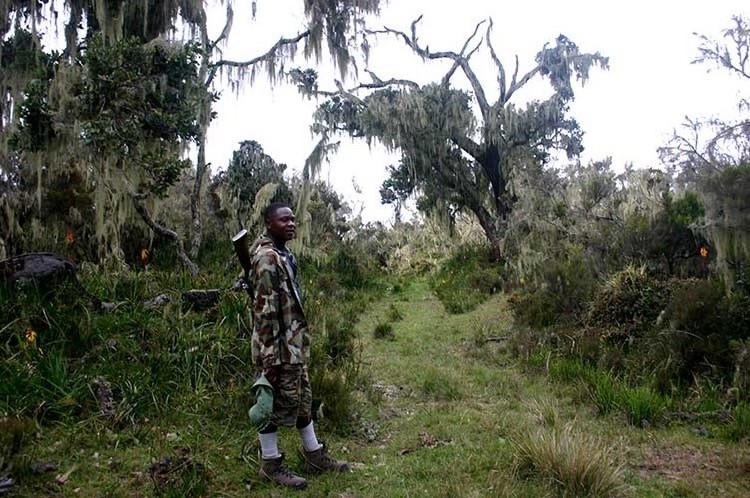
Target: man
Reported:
[(281, 350)]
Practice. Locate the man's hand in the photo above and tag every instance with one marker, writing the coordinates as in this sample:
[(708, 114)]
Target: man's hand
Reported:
[(272, 373)]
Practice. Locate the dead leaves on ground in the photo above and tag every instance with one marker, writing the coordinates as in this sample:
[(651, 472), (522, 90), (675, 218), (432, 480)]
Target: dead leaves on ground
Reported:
[(426, 440)]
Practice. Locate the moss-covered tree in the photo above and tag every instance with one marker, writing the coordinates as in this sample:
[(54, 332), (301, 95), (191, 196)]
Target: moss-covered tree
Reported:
[(460, 150), (712, 156), (328, 25)]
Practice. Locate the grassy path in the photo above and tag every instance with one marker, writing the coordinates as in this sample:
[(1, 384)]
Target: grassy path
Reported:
[(446, 407), (449, 406)]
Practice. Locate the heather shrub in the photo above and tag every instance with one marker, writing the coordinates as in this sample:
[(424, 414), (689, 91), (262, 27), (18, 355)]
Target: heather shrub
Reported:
[(559, 294), (701, 335), (467, 279), (628, 303)]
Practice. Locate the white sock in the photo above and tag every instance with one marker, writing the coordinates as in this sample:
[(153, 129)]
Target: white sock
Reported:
[(309, 440), (269, 445)]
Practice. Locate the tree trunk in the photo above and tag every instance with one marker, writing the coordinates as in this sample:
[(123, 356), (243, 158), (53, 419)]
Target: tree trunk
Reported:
[(140, 207), (494, 231), (195, 198)]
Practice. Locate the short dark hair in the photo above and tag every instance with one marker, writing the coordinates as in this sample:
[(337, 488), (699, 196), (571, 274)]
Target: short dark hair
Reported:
[(272, 208)]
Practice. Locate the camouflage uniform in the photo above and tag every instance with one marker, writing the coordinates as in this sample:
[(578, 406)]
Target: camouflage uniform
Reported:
[(280, 332)]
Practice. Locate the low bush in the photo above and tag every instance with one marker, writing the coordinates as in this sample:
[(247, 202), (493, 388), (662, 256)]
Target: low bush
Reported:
[(702, 334)]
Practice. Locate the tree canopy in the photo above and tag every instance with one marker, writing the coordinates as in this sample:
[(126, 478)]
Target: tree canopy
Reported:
[(459, 150), (118, 107)]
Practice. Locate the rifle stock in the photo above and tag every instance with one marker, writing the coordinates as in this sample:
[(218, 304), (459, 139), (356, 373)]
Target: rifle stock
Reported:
[(242, 250)]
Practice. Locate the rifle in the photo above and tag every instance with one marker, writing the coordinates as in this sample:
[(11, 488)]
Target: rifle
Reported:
[(242, 250)]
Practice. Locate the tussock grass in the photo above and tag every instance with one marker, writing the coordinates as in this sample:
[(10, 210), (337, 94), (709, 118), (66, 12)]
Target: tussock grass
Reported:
[(604, 391), (570, 461), (545, 411), (384, 331), (739, 426), (643, 406)]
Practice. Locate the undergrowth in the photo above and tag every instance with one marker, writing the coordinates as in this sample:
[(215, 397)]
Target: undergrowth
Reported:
[(466, 279)]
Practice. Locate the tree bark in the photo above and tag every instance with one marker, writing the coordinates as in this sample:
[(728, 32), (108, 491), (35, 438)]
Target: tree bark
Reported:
[(195, 199)]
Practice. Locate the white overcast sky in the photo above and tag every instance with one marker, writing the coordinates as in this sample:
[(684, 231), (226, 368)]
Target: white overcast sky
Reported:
[(626, 112)]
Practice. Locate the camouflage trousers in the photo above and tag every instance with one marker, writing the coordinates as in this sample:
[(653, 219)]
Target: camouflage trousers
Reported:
[(292, 399)]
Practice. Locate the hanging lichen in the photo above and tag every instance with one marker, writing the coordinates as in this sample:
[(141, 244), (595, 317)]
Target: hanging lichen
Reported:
[(727, 220)]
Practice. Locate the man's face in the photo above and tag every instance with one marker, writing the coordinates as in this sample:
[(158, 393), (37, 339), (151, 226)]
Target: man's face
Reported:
[(281, 226)]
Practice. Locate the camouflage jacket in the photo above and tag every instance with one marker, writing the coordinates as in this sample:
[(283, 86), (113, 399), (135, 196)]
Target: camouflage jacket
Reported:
[(280, 330)]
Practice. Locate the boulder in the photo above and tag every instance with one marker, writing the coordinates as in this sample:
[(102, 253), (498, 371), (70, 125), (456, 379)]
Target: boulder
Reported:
[(42, 268), (200, 299)]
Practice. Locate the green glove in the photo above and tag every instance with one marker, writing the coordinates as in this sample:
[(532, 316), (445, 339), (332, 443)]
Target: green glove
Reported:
[(260, 412)]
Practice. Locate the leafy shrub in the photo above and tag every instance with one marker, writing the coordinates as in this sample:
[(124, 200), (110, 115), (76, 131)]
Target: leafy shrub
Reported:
[(333, 397), (535, 308), (628, 303), (466, 279)]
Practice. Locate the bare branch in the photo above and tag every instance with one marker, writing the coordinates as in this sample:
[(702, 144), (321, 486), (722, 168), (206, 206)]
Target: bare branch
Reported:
[(227, 28), (515, 73), (498, 64), (272, 52), (447, 78), (459, 59), (515, 83), (468, 40), (379, 83)]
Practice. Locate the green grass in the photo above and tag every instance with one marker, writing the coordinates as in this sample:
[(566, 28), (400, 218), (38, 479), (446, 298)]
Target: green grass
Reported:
[(442, 411), (643, 406)]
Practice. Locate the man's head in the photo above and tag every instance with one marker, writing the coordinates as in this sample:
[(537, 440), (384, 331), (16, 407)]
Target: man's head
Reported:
[(280, 222)]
